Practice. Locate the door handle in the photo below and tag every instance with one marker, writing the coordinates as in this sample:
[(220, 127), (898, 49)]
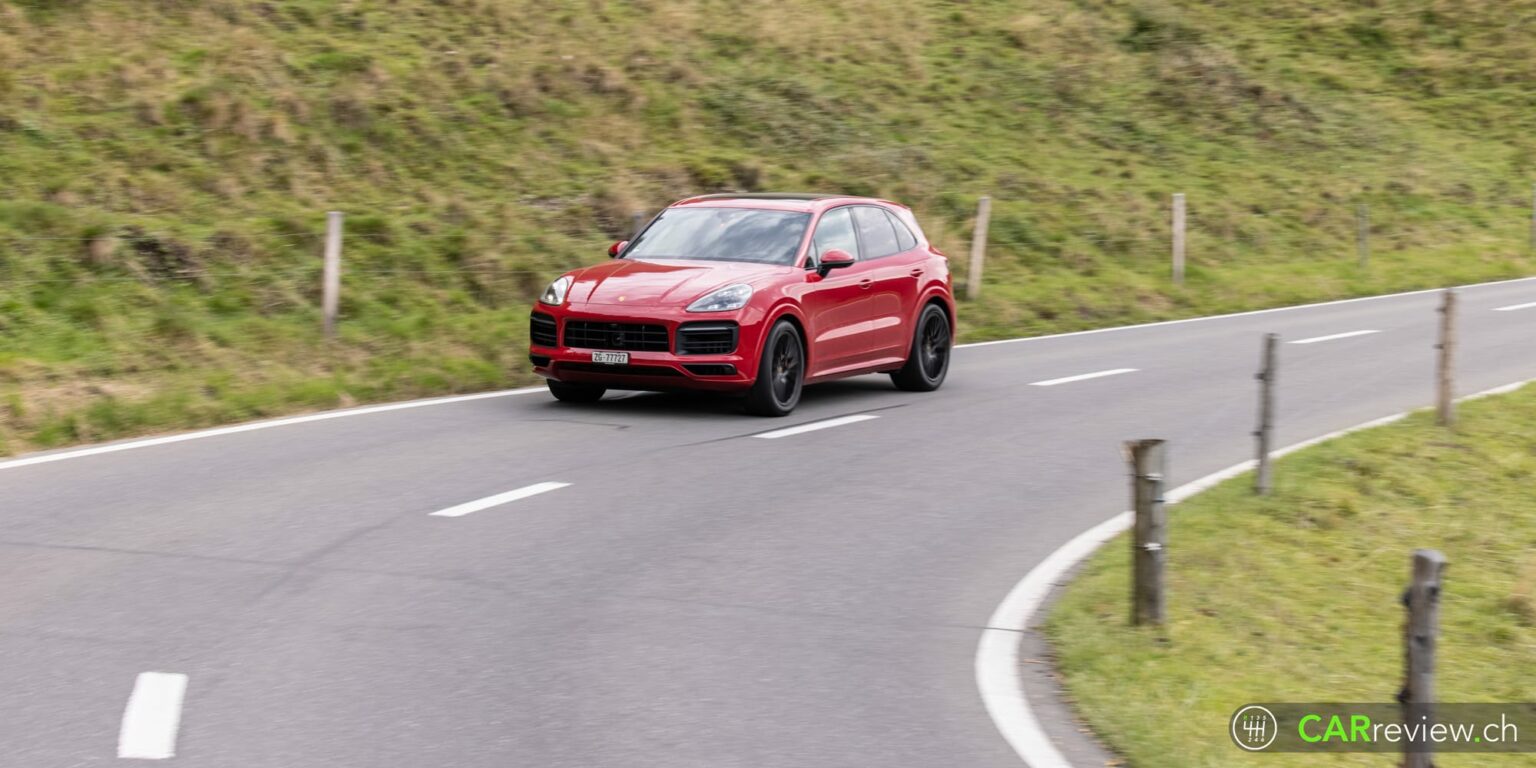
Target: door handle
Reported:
[(866, 283), (917, 272)]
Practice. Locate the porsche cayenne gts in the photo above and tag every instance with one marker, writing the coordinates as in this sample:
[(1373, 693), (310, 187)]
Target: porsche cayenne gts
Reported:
[(756, 293)]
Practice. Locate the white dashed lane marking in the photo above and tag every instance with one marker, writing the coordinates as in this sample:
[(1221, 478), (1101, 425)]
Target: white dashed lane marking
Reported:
[(467, 507), (1082, 377), (815, 425), (152, 717), (1331, 337)]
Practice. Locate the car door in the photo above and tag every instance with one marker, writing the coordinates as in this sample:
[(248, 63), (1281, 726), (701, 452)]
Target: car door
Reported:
[(888, 248), (836, 306)]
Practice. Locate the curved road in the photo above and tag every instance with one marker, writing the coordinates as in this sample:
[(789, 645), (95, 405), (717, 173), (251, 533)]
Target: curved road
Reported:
[(696, 596)]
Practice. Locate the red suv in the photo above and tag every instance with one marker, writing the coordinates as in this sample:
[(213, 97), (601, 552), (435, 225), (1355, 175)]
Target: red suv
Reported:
[(758, 294)]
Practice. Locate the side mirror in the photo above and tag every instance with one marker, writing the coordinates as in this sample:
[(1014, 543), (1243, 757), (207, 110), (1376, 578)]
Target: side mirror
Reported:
[(617, 248), (835, 259)]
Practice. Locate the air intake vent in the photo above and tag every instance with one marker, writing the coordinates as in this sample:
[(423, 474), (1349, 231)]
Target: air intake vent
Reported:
[(541, 330), (707, 338), (711, 369), (616, 370)]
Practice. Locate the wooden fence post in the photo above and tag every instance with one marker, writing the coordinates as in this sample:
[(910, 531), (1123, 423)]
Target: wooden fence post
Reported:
[(1421, 632), (978, 247), (1445, 395), (330, 297), (1533, 217), (637, 219), (1149, 464), (1268, 371), (1363, 233), (1178, 238)]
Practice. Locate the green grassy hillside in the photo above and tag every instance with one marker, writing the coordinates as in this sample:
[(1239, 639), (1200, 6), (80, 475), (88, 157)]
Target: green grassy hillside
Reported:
[(165, 166)]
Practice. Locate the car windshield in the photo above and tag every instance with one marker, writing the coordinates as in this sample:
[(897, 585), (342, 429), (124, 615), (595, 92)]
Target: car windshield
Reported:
[(722, 234)]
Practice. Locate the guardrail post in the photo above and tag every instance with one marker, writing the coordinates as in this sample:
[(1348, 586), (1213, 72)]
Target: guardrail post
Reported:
[(1363, 233), (1445, 395), (1268, 371), (1178, 238), (1420, 636), (1149, 464), (978, 247), (330, 294)]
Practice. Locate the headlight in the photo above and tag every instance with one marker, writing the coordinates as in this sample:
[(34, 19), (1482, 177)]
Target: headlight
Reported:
[(726, 299), (554, 295)]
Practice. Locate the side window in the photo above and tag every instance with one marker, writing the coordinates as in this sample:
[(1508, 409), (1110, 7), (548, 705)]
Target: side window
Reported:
[(875, 232), (904, 238), (835, 230)]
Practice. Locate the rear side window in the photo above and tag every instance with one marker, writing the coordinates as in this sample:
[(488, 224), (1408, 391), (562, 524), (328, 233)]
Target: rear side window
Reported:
[(875, 232), (904, 238), (835, 230)]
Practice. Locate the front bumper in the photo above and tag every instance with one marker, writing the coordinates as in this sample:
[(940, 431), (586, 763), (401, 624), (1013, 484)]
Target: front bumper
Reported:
[(646, 370)]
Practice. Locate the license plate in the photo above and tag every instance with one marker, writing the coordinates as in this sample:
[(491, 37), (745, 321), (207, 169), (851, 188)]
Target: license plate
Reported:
[(611, 358)]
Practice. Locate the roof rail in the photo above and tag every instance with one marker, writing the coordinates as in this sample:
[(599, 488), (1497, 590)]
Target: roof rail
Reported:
[(764, 196)]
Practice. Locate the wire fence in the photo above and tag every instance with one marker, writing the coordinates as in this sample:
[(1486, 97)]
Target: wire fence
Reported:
[(1218, 234)]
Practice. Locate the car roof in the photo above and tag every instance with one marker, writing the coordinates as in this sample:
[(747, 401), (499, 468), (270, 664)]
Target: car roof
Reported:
[(778, 201)]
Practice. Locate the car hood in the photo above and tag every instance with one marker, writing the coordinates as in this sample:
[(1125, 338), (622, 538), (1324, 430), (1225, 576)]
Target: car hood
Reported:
[(670, 283)]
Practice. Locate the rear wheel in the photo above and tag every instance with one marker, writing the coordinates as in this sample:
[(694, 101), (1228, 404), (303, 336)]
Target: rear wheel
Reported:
[(928, 361), (780, 373), (567, 392)]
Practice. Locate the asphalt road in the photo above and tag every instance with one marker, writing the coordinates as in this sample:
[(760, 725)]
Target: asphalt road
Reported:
[(696, 596)]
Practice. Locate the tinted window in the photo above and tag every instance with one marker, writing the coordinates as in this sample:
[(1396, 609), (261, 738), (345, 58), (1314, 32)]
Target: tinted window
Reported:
[(875, 232), (835, 231), (904, 238), (722, 234)]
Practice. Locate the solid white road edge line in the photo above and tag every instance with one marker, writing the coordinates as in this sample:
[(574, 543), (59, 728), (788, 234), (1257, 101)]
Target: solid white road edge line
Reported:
[(815, 425), (1082, 377), (1514, 307), (998, 676), (283, 422), (1249, 313), (152, 717), (1332, 336), (467, 507), (256, 425)]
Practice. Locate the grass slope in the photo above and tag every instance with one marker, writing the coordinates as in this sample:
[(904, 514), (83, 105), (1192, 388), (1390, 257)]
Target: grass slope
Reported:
[(165, 166), (1306, 608)]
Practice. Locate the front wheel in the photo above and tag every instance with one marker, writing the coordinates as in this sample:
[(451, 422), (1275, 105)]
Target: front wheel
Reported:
[(780, 373), (928, 360), (567, 392)]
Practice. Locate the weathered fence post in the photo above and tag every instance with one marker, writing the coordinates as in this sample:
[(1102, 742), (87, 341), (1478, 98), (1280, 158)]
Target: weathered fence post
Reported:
[(1421, 631), (978, 247), (1178, 238), (638, 221), (1149, 464), (1266, 376), (1533, 217), (1363, 233), (1445, 395), (330, 282)]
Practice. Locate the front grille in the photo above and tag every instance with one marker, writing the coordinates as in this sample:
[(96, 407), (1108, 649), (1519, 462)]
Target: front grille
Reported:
[(707, 338), (591, 334), (617, 370), (541, 330), (711, 369)]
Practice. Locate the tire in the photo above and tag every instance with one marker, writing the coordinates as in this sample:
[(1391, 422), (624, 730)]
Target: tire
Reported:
[(566, 392), (928, 360), (780, 373)]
